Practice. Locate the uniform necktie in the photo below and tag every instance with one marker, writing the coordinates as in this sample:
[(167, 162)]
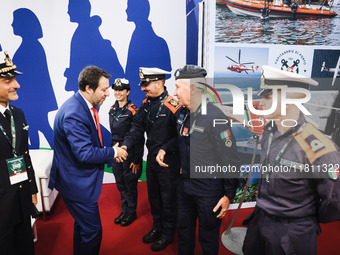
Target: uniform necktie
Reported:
[(8, 115), (96, 119)]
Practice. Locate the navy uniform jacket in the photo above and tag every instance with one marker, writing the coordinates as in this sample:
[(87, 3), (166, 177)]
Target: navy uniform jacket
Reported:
[(78, 161), (15, 200), (159, 130), (201, 144), (289, 195), (120, 124)]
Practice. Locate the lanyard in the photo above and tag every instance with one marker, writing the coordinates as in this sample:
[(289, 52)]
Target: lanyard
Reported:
[(182, 126), (193, 124), (281, 152), (123, 111), (191, 129), (159, 110), (13, 141)]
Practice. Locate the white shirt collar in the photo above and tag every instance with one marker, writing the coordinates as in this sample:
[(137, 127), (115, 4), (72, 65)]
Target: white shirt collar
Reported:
[(87, 102), (89, 105), (3, 109)]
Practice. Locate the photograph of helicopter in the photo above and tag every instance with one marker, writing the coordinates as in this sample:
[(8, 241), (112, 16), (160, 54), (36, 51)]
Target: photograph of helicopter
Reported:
[(241, 67), (334, 70)]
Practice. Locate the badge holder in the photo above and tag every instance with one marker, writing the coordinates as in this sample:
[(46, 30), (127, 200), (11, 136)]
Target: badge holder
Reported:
[(16, 169)]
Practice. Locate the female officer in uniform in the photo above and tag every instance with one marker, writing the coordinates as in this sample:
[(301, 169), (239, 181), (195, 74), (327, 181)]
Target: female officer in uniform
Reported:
[(128, 172)]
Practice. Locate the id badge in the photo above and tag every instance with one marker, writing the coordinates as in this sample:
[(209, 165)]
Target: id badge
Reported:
[(16, 169)]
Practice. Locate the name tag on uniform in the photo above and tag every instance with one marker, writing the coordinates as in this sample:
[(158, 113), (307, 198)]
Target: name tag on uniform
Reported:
[(16, 169), (126, 115), (199, 129), (292, 164), (162, 115)]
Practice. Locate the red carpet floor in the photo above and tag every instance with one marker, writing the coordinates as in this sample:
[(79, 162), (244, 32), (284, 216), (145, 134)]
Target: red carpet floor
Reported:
[(55, 235)]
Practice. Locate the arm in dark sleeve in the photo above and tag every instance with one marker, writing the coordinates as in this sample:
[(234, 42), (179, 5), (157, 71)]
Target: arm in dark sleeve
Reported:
[(328, 188), (329, 205), (172, 145), (136, 133), (227, 156), (139, 149), (31, 176), (28, 162), (230, 186)]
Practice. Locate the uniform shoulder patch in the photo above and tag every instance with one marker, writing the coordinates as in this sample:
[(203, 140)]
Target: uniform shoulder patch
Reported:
[(314, 143), (172, 104), (145, 100), (133, 109)]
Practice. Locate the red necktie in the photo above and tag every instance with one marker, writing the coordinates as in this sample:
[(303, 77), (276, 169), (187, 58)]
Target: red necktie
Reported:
[(96, 119)]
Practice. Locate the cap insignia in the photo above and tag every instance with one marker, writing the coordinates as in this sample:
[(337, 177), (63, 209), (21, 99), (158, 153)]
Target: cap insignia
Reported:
[(8, 60), (141, 75)]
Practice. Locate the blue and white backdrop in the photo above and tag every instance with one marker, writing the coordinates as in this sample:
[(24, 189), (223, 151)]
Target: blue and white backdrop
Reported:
[(51, 41)]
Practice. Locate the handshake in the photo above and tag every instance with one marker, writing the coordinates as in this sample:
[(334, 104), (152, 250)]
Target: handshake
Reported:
[(121, 153)]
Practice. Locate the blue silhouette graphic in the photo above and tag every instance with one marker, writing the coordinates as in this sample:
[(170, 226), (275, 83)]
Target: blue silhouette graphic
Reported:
[(192, 11), (88, 47), (0, 48), (36, 96), (146, 49)]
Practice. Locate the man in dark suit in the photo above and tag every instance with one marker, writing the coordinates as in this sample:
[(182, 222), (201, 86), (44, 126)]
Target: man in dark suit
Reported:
[(79, 158), (17, 181)]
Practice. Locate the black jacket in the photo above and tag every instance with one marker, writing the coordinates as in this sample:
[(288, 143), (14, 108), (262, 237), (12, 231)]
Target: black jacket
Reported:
[(156, 117), (203, 146), (120, 124), (15, 200)]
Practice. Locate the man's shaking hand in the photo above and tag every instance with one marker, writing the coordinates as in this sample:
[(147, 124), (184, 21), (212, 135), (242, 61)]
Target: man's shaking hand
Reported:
[(121, 153)]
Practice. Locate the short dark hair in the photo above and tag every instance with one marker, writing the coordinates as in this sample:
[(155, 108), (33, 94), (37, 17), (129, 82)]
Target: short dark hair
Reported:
[(91, 75)]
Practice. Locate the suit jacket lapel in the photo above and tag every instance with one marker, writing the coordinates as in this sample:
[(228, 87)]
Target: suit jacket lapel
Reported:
[(7, 127), (4, 124)]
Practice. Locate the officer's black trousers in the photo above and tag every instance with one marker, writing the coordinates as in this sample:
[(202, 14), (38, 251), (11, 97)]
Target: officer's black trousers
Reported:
[(162, 185), (268, 236), (17, 239), (191, 206), (126, 182)]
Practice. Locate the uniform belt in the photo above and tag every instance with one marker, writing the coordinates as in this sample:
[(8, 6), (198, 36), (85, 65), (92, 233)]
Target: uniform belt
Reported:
[(286, 219)]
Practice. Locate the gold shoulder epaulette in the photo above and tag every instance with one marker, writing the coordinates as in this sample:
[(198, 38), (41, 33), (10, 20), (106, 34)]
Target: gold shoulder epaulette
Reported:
[(314, 143), (172, 104)]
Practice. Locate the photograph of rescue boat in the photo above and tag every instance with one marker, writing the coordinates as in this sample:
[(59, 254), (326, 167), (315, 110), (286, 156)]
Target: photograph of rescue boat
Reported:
[(255, 21), (281, 9)]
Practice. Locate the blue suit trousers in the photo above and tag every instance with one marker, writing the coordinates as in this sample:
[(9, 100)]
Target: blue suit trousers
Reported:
[(87, 234)]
